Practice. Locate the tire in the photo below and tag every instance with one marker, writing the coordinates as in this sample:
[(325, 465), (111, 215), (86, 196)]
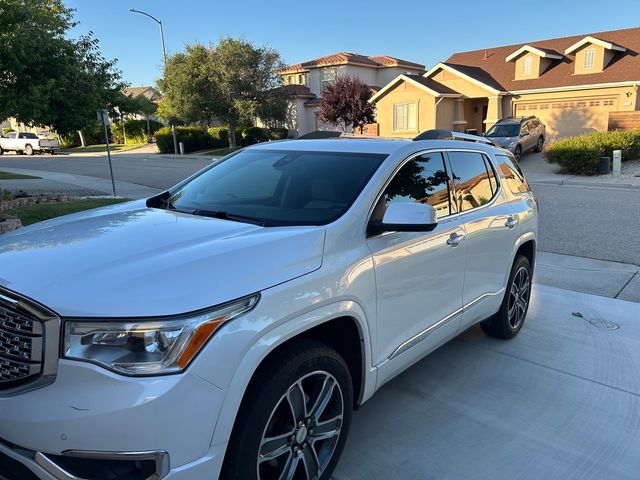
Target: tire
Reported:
[(539, 144), (1, 151), (513, 310), (28, 149), (267, 411), (518, 152)]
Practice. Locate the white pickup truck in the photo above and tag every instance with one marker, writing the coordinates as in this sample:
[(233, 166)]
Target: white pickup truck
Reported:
[(26, 142)]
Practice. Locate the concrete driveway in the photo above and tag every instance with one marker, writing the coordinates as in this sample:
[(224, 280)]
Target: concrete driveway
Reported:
[(561, 401)]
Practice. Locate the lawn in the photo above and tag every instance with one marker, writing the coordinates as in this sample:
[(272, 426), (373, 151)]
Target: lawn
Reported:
[(114, 147), (16, 176), (45, 211)]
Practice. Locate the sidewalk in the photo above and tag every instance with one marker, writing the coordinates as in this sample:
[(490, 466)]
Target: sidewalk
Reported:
[(587, 275), (538, 171), (77, 185)]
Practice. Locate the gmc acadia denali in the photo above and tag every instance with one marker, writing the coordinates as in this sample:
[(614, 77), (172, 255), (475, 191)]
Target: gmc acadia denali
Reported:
[(227, 327)]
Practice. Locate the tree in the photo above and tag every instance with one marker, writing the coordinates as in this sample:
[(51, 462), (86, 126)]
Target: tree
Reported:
[(45, 78), (233, 82), (346, 104)]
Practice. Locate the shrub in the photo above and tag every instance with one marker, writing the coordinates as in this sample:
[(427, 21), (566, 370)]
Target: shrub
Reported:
[(93, 135), (194, 138), (581, 155), (219, 137), (136, 131), (7, 130), (278, 133), (252, 135)]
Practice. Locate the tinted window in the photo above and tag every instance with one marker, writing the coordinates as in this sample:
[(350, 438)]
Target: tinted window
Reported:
[(276, 188), (423, 179), (28, 135), (510, 172), (504, 130), (472, 185)]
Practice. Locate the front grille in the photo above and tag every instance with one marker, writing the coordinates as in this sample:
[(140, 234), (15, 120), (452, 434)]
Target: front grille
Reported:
[(21, 346)]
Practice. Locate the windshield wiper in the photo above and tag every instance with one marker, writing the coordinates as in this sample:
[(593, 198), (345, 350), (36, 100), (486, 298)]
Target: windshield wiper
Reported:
[(230, 216)]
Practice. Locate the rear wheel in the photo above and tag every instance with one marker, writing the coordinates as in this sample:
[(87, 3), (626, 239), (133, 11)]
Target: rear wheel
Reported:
[(518, 152), (539, 144), (294, 419), (513, 310), (1, 151), (28, 150)]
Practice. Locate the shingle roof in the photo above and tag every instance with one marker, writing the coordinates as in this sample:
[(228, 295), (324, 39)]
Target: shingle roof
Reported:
[(496, 72), (432, 84), (298, 91), (135, 91), (342, 58)]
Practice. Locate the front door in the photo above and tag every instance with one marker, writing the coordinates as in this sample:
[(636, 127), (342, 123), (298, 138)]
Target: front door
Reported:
[(488, 220), (419, 276)]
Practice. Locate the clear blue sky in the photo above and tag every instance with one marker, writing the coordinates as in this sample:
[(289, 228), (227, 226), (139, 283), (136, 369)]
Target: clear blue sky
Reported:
[(423, 31)]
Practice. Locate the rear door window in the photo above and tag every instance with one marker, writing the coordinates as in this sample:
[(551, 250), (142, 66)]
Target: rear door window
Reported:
[(472, 184), (511, 174)]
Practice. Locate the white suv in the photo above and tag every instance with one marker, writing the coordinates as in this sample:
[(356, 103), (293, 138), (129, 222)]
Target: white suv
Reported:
[(228, 327)]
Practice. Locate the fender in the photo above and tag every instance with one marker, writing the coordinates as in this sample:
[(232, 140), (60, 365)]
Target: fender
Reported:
[(276, 337)]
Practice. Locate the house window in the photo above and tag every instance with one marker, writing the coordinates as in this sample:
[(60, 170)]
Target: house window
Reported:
[(405, 117), (527, 64), (589, 58), (301, 80), (327, 77)]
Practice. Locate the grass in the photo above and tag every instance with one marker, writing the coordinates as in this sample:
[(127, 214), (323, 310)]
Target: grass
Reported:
[(16, 176), (114, 147), (45, 211)]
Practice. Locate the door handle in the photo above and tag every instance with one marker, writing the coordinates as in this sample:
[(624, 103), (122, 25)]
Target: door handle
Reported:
[(511, 222), (454, 240)]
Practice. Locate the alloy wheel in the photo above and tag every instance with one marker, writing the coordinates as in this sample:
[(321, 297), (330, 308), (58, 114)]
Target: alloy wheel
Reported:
[(519, 297), (303, 430)]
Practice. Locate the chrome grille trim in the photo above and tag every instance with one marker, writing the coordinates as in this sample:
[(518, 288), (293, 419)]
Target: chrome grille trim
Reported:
[(29, 340)]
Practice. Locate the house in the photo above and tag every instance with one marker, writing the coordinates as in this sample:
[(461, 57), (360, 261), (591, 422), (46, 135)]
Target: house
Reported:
[(151, 94), (305, 82), (573, 84)]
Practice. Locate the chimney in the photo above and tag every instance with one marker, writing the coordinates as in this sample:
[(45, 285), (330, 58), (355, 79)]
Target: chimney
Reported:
[(486, 54)]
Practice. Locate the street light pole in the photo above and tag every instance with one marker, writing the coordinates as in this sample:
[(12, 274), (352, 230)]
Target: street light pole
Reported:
[(164, 54)]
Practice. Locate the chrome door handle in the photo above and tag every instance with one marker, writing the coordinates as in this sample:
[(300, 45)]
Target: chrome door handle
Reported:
[(511, 222), (454, 240)]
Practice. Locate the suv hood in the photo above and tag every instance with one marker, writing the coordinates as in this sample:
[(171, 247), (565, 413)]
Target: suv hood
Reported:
[(130, 260), (505, 142)]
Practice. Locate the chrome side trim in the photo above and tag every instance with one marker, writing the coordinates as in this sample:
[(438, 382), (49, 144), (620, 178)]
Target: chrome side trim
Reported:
[(425, 333), (52, 468)]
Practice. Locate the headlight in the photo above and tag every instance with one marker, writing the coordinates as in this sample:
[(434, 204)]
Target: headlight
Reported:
[(148, 347)]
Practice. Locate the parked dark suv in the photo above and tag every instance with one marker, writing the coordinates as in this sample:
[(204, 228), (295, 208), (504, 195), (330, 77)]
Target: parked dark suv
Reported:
[(518, 134)]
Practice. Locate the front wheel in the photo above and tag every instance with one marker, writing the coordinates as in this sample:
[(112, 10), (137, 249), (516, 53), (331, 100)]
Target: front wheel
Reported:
[(518, 152), (513, 310), (294, 418)]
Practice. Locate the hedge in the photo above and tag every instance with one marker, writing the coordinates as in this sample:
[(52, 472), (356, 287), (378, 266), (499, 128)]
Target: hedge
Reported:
[(581, 155), (194, 138), (136, 131), (198, 138)]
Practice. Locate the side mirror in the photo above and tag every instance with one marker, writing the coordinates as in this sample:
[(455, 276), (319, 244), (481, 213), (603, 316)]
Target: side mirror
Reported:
[(406, 217), (523, 134)]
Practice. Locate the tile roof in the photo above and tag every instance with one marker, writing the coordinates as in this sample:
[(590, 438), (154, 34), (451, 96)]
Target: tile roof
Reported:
[(298, 91), (496, 72), (135, 91), (342, 58)]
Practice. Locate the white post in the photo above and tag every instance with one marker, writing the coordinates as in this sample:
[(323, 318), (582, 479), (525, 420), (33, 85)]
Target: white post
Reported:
[(617, 162), (181, 148)]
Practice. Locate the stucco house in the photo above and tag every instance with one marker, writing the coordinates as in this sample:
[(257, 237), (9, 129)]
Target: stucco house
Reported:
[(304, 83), (573, 84), (151, 94)]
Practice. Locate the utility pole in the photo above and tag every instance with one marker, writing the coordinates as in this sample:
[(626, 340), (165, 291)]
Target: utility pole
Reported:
[(164, 54)]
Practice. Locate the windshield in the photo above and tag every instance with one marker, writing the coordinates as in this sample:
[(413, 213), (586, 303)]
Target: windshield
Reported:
[(278, 188), (504, 130)]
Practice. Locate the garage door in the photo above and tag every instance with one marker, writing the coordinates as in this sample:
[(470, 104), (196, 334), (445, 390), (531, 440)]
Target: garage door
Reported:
[(567, 117)]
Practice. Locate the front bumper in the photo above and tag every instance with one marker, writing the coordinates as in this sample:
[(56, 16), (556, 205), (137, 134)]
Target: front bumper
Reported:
[(101, 414)]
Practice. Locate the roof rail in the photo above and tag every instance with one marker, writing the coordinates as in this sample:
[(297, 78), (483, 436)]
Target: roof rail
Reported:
[(449, 135)]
